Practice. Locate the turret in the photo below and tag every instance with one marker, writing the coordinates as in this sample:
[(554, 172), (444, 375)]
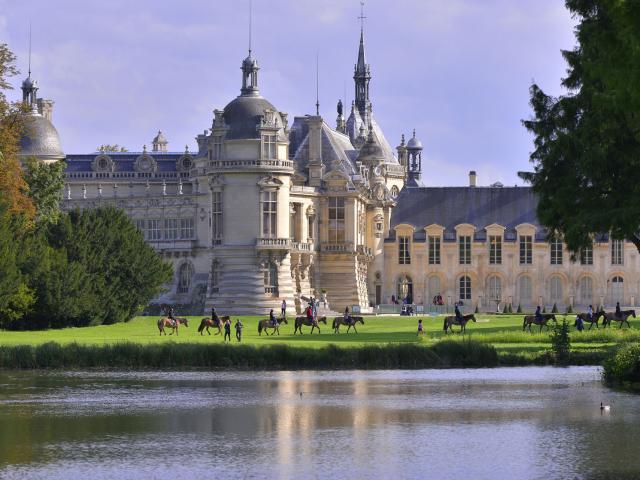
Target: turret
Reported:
[(414, 151)]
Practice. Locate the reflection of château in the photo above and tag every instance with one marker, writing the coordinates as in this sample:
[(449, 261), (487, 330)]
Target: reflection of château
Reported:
[(264, 211)]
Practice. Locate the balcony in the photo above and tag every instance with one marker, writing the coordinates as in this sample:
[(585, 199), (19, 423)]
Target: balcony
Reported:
[(343, 247), (302, 247), (258, 164), (274, 243)]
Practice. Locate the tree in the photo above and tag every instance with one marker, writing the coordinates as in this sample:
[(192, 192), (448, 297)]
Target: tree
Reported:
[(13, 187), (587, 142), (111, 148), (124, 272), (45, 181)]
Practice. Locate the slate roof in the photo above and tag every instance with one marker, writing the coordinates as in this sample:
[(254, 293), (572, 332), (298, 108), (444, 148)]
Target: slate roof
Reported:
[(478, 206), (124, 161)]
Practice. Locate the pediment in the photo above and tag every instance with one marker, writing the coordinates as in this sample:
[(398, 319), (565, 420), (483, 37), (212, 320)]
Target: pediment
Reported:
[(270, 182)]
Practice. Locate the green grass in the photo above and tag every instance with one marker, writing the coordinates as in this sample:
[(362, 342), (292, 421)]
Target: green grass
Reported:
[(502, 332)]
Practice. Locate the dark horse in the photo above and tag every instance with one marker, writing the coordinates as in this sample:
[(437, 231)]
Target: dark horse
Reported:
[(531, 319), (350, 323), (167, 322), (594, 318), (266, 324), (209, 322), (300, 321), (452, 320), (623, 318)]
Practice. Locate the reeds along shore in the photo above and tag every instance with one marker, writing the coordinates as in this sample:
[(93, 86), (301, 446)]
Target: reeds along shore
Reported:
[(445, 354)]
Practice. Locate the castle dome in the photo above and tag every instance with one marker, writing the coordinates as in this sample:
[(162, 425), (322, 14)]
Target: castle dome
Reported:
[(40, 139), (414, 143), (242, 117)]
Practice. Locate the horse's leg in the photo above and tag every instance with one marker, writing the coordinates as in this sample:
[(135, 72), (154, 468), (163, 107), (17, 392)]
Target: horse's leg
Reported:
[(354, 328)]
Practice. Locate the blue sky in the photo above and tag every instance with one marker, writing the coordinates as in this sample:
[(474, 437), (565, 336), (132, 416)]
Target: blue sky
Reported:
[(458, 71)]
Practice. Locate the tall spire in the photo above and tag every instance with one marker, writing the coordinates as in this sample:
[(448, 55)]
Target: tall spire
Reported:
[(362, 73), (30, 86), (317, 84), (250, 66)]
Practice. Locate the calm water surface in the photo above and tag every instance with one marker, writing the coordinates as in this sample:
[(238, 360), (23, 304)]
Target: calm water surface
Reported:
[(488, 423)]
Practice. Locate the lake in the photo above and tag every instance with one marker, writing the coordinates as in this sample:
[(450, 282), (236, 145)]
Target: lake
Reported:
[(532, 422)]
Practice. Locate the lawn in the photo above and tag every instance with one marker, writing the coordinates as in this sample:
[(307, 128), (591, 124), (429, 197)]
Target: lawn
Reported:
[(504, 332)]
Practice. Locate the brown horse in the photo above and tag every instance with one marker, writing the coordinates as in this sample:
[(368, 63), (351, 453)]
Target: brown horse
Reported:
[(452, 320), (266, 324), (300, 321), (594, 318), (209, 322), (167, 322), (623, 318), (531, 319), (350, 323)]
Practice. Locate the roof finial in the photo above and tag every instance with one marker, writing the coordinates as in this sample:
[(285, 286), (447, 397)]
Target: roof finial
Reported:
[(362, 17), (250, 23), (414, 133), (29, 49), (317, 84)]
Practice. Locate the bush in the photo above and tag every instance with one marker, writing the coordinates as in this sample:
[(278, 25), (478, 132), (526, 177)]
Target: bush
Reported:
[(477, 310), (624, 366), (560, 342), (554, 309), (519, 310), (569, 309), (510, 309), (544, 309)]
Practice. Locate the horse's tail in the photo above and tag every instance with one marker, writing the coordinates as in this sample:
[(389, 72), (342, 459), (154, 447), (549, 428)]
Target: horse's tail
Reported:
[(259, 327), (524, 323), (444, 325), (201, 327)]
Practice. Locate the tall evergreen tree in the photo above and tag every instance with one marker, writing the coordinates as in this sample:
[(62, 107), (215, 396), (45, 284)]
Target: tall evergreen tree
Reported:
[(587, 142)]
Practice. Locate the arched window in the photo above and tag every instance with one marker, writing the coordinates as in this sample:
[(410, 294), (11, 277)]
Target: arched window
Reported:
[(433, 284), (617, 289), (525, 289), (495, 288), (555, 290), (271, 279), (464, 288), (184, 277), (405, 289), (586, 290)]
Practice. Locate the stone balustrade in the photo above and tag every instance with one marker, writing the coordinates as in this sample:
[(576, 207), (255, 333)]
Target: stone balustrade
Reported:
[(244, 164)]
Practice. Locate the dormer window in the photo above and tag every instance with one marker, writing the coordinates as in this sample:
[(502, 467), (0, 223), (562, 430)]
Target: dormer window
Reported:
[(269, 147)]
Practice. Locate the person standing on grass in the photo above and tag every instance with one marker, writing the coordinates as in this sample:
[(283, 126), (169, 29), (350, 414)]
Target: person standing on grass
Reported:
[(283, 309), (238, 329), (420, 328), (618, 311), (227, 330)]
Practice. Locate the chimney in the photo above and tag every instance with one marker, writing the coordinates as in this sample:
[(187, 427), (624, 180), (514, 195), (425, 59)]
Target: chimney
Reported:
[(472, 178), (45, 108)]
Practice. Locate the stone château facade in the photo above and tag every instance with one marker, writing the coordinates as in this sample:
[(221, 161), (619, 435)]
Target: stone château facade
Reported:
[(267, 209)]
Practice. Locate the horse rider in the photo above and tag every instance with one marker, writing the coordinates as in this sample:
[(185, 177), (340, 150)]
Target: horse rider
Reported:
[(214, 316), (171, 315), (347, 316), (458, 313), (309, 313), (283, 308), (538, 314), (590, 312), (618, 311), (272, 318)]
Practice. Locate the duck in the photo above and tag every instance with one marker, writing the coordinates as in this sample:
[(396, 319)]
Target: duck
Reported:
[(604, 408)]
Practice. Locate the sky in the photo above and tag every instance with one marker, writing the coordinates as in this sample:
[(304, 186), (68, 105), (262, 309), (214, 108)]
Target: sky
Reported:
[(458, 71)]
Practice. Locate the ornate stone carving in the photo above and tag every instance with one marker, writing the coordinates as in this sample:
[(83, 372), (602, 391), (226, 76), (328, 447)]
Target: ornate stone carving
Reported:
[(102, 163), (269, 182), (145, 164)]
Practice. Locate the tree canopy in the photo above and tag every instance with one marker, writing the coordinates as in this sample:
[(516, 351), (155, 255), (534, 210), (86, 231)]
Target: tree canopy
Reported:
[(587, 142)]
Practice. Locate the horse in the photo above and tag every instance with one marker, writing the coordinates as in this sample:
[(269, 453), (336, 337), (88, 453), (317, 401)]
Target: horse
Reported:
[(594, 318), (529, 319), (167, 322), (265, 324), (350, 322), (452, 320), (608, 316), (300, 321), (209, 322)]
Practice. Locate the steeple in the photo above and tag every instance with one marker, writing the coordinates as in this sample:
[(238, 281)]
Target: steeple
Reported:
[(30, 86), (362, 72), (250, 66)]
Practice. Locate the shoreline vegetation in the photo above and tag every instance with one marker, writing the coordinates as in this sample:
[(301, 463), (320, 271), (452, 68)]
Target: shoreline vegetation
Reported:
[(126, 355), (381, 343)]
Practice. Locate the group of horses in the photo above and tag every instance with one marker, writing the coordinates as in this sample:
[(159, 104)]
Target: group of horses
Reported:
[(265, 325)]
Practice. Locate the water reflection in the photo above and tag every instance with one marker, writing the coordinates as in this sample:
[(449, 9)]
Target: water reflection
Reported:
[(502, 423)]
